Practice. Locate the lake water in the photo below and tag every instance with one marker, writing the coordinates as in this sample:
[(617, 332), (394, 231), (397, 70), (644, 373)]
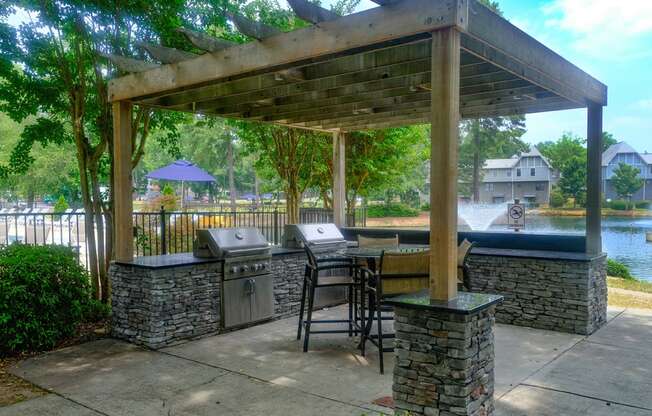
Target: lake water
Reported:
[(623, 238)]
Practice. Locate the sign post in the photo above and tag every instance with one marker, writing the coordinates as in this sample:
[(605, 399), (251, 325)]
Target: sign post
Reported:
[(516, 216)]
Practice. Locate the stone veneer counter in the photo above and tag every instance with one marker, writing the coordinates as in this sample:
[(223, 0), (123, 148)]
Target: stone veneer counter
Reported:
[(161, 300), (559, 291), (444, 362)]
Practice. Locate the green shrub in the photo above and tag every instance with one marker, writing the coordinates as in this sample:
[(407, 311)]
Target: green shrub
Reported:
[(168, 190), (557, 199), (44, 295), (391, 210), (617, 269), (61, 205), (425, 207), (619, 205), (643, 205)]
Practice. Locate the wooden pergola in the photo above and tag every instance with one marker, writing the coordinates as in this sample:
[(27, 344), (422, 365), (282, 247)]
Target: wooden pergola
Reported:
[(404, 62)]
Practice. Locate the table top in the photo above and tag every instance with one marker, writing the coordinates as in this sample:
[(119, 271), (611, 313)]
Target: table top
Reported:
[(376, 252)]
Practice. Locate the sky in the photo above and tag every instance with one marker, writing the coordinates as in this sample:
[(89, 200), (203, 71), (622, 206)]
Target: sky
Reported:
[(609, 39)]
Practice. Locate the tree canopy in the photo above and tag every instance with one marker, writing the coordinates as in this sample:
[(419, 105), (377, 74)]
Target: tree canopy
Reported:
[(626, 180)]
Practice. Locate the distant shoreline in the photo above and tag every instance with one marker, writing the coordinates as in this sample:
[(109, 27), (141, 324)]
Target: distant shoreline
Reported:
[(581, 212)]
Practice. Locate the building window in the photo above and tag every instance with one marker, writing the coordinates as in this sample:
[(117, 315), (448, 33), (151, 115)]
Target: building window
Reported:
[(518, 172), (533, 171), (539, 187), (489, 187)]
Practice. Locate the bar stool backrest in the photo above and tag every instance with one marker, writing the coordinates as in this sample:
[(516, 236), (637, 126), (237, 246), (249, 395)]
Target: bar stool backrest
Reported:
[(372, 242), (404, 272)]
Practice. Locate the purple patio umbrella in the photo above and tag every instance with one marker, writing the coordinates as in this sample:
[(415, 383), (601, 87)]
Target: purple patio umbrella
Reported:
[(181, 171)]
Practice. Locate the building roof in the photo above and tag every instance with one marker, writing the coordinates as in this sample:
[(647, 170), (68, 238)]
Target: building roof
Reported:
[(500, 163), (512, 161), (614, 149), (647, 157)]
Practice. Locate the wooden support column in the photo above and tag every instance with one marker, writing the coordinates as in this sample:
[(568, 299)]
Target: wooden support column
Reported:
[(593, 179), (339, 173), (122, 181), (445, 105)]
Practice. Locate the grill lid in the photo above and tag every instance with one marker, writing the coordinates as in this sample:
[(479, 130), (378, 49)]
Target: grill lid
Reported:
[(231, 242), (318, 234)]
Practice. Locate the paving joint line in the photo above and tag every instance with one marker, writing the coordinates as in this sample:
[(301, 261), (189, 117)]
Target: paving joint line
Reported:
[(560, 353), (584, 338), (586, 396), (265, 381)]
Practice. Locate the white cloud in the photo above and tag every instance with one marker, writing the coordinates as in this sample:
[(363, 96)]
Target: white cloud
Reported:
[(645, 104), (604, 29)]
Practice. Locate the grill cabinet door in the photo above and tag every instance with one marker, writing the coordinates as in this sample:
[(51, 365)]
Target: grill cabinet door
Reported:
[(248, 299), (262, 298)]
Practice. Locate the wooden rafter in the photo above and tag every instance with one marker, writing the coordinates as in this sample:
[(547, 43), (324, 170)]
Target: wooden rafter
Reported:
[(311, 12), (165, 54), (205, 42), (125, 64), (256, 30)]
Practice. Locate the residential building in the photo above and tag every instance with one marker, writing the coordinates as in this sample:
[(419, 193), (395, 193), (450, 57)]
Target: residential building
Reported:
[(624, 153), (526, 176)]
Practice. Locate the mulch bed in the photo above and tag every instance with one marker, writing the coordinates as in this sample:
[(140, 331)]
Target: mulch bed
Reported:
[(14, 389)]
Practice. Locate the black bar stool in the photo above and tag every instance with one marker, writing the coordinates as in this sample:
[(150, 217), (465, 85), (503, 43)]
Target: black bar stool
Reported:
[(312, 281)]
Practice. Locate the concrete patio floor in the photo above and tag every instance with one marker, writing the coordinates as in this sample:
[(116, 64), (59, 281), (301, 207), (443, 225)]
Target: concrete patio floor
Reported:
[(262, 371)]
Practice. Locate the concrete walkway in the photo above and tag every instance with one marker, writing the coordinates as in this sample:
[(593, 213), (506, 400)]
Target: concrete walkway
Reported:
[(262, 371)]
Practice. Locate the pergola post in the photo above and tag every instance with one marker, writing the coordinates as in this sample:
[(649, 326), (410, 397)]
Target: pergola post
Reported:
[(593, 179), (445, 105), (122, 181), (339, 185)]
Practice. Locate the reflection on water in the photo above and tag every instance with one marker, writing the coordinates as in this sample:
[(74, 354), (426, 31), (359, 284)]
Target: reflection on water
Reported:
[(623, 238)]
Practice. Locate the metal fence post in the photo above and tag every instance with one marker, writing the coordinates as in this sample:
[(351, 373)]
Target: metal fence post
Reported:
[(164, 243), (276, 238)]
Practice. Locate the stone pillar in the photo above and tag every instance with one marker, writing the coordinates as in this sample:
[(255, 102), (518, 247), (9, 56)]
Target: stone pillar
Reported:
[(444, 355)]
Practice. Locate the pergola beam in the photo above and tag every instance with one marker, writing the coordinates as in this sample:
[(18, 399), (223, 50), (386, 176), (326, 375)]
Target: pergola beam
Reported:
[(164, 54), (443, 163), (371, 29), (122, 181), (496, 40), (593, 180)]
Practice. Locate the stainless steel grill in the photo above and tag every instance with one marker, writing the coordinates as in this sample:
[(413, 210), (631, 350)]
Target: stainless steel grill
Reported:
[(323, 240), (320, 237), (247, 283)]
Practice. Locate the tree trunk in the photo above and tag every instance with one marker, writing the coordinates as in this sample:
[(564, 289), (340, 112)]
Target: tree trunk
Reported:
[(30, 199), (476, 168), (256, 190), (229, 159), (292, 199)]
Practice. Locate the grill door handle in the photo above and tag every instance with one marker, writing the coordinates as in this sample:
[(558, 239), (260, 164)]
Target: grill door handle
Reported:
[(250, 287)]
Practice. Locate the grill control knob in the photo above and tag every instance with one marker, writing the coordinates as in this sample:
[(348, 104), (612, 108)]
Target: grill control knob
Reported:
[(244, 268), (234, 270), (255, 267)]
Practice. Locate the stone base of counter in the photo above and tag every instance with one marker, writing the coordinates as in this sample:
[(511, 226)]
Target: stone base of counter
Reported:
[(444, 360), (159, 307), (559, 295)]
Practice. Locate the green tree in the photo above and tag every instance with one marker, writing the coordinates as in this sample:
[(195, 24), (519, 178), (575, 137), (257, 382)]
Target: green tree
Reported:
[(485, 138), (573, 180), (50, 70), (608, 140), (626, 181), (561, 152)]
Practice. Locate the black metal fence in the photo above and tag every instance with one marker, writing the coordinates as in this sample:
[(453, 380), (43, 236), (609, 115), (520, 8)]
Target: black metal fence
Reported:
[(155, 233), (166, 232)]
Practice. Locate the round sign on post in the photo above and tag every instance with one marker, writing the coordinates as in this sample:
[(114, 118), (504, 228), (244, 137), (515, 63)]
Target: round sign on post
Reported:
[(516, 216)]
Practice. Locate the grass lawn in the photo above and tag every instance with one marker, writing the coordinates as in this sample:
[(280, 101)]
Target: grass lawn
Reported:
[(629, 293)]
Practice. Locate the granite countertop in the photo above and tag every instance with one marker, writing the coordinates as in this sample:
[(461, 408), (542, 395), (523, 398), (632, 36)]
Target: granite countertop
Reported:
[(167, 261), (465, 303), (535, 254)]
